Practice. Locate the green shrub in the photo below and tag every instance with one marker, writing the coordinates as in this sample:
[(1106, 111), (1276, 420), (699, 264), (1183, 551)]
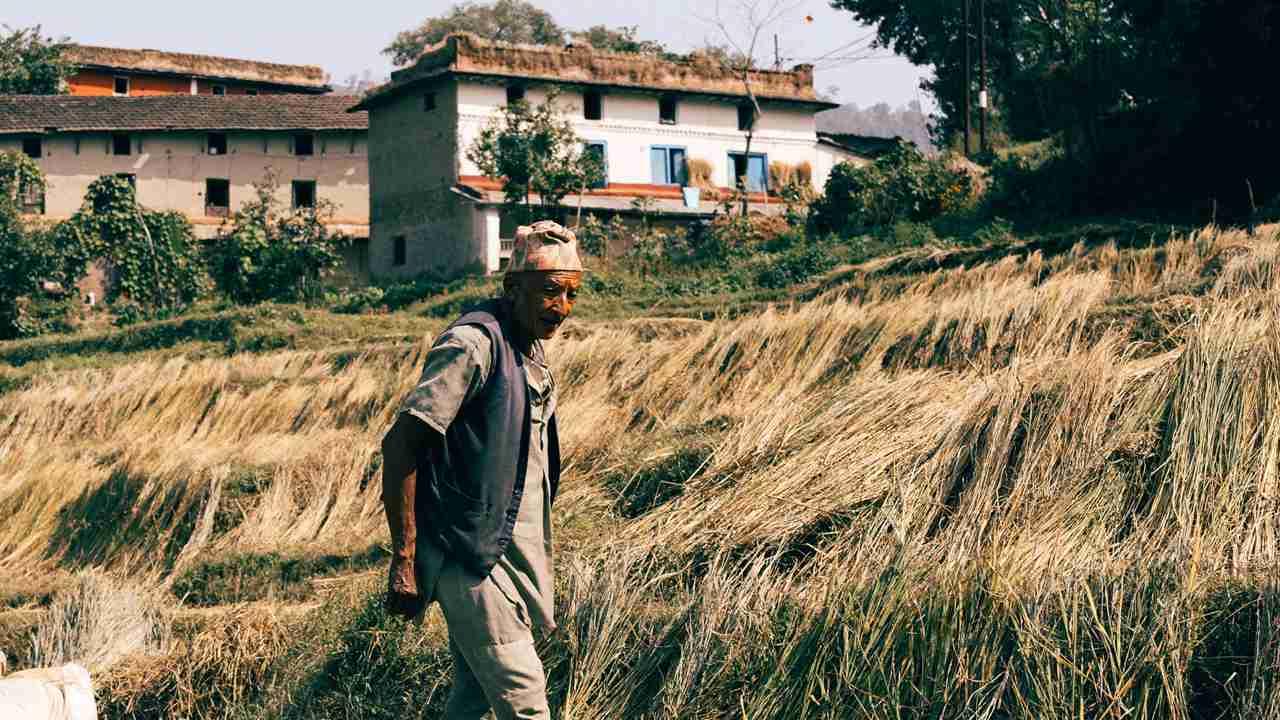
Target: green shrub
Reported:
[(357, 301), (269, 253), (997, 231), (593, 236), (796, 265), (1043, 185), (905, 233), (900, 185)]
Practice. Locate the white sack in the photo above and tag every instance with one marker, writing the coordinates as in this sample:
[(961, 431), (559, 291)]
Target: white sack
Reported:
[(60, 693)]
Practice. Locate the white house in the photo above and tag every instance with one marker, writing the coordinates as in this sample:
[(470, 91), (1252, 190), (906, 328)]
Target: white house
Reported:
[(432, 210)]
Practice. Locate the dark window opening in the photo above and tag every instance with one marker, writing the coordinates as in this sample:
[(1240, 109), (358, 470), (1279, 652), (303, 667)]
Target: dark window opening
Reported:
[(250, 91), (751, 172), (31, 147), (219, 89), (121, 144), (667, 110), (597, 150), (304, 144), (515, 93), (399, 251), (746, 117), (304, 193), (428, 102), (217, 197), (217, 143), (592, 105), (122, 86)]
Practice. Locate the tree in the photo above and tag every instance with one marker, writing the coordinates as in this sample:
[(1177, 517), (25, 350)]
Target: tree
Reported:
[(742, 28), (535, 150), (29, 256), (622, 40), (513, 21), (269, 253), (153, 256), (31, 64)]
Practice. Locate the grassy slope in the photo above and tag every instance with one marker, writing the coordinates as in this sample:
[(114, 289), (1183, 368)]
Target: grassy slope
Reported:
[(1034, 481)]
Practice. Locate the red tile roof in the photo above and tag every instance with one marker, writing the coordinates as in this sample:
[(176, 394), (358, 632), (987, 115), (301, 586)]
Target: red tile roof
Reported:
[(305, 78), (68, 113)]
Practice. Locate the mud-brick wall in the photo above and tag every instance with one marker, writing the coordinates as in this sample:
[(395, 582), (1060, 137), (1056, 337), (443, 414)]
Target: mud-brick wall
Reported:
[(413, 151)]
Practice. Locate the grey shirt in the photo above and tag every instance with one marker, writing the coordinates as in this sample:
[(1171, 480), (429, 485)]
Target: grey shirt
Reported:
[(456, 369)]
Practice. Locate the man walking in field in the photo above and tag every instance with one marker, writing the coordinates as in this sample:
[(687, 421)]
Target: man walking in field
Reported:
[(470, 469)]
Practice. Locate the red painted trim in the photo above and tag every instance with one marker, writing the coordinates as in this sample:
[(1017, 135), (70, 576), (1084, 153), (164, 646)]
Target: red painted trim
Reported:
[(665, 192)]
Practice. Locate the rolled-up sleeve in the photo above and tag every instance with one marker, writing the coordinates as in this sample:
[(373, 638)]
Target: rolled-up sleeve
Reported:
[(456, 369)]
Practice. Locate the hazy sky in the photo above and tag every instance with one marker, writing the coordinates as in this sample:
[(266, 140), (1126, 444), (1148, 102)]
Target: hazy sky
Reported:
[(346, 38)]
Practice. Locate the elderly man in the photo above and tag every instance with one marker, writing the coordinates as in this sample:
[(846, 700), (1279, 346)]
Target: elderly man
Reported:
[(470, 469)]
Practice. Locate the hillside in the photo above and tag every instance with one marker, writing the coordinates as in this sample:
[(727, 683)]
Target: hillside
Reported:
[(1025, 481)]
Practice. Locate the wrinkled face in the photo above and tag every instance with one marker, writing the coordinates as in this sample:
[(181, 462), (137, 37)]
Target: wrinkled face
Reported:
[(540, 301)]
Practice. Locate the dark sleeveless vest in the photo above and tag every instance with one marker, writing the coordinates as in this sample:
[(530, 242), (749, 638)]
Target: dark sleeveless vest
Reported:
[(472, 497)]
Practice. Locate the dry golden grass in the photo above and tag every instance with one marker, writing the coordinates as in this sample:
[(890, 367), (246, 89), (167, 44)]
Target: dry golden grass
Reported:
[(1034, 487)]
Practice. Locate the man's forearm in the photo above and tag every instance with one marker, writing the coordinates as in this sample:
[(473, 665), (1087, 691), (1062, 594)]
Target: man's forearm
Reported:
[(400, 485)]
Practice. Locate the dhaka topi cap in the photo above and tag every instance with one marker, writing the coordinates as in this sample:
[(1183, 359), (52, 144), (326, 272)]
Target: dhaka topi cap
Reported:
[(544, 246)]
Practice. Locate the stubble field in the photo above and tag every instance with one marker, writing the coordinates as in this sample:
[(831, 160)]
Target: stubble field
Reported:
[(1031, 486)]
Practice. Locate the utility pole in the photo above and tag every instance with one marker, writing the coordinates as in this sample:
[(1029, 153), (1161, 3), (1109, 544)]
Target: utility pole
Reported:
[(982, 76), (777, 57), (968, 82)]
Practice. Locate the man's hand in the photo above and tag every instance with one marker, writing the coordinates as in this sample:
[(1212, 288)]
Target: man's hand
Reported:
[(403, 598)]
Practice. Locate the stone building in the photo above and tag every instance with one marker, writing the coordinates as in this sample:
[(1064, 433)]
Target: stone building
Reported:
[(198, 155), (432, 211), (122, 72)]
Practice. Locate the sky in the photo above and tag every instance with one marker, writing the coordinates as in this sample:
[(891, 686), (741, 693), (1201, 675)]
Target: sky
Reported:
[(346, 38)]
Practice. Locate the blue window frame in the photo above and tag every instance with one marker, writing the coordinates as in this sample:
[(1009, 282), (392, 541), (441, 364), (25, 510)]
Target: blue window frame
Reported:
[(754, 168), (669, 165), (600, 149)]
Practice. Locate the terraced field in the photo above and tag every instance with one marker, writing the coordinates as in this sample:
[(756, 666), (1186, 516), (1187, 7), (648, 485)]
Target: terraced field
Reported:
[(1026, 482)]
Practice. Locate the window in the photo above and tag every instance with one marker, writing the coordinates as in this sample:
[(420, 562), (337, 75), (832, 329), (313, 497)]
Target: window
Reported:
[(746, 117), (304, 193), (217, 143), (31, 147), (399, 251), (219, 89), (428, 102), (592, 105), (304, 144), (251, 91), (121, 86), (598, 151), (668, 165), (217, 197), (755, 169), (121, 144), (515, 93), (667, 110), (31, 199)]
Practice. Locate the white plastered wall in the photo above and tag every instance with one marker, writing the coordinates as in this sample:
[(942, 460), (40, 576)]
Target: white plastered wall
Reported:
[(828, 156), (629, 127)]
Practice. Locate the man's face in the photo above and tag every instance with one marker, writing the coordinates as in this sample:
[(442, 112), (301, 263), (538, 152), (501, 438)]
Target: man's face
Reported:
[(540, 301)]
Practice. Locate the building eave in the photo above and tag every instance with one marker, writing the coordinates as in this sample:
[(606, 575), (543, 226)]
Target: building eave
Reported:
[(388, 93)]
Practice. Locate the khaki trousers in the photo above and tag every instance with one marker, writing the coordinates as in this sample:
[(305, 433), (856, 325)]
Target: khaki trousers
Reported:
[(495, 664)]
